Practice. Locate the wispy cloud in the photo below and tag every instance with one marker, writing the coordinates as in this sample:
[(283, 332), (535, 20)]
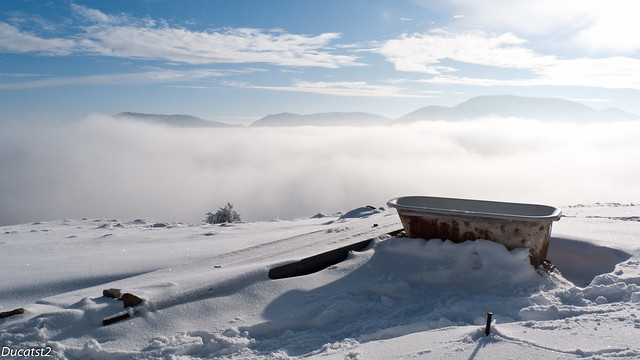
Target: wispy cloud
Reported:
[(18, 75), (590, 100), (145, 77), (89, 14), (13, 40), (125, 37), (340, 88), (228, 46), (426, 53)]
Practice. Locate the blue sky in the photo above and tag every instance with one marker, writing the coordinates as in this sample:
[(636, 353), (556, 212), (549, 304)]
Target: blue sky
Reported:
[(237, 61)]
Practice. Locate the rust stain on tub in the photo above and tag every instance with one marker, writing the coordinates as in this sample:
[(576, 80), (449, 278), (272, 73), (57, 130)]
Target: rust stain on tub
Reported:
[(513, 225), (512, 234)]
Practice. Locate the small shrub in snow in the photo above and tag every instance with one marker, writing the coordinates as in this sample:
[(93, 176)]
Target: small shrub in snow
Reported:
[(223, 215)]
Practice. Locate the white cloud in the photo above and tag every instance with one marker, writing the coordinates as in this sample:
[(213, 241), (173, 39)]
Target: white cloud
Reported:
[(614, 72), (339, 88), (606, 27), (523, 16), (13, 40), (615, 28), (93, 14), (228, 46), (426, 52), (102, 168), (125, 37)]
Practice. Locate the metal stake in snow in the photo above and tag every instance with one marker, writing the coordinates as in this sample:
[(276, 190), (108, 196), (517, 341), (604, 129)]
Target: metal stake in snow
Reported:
[(487, 329)]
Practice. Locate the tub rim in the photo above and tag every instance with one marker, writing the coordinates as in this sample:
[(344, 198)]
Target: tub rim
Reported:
[(552, 213)]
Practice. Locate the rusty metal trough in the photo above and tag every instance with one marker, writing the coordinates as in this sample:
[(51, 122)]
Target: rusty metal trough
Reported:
[(513, 225)]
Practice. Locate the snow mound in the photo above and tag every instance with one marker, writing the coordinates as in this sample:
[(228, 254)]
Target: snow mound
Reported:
[(210, 296), (360, 212), (401, 286)]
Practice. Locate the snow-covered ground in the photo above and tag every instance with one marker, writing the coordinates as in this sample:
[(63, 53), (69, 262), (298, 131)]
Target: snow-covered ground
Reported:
[(208, 294)]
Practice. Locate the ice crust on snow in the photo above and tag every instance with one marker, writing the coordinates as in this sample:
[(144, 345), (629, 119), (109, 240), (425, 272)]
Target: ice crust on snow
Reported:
[(399, 298)]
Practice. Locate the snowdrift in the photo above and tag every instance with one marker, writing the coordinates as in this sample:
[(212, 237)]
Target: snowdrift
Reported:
[(207, 293)]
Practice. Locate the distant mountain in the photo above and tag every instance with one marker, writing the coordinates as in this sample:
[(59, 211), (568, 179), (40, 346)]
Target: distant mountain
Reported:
[(322, 119), (171, 120), (546, 109)]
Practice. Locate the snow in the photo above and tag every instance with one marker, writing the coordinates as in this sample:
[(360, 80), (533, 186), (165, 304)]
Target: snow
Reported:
[(208, 294)]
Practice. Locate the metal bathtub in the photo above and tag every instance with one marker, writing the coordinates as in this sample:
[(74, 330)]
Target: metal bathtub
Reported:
[(514, 225)]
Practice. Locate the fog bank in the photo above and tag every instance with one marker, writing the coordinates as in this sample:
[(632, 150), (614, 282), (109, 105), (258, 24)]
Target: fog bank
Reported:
[(105, 168)]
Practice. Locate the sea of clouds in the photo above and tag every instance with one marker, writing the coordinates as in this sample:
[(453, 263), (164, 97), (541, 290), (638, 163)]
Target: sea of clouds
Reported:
[(106, 168)]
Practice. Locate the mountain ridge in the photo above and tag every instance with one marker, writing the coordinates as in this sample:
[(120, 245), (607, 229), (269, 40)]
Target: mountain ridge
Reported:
[(545, 109), (322, 119), (171, 120)]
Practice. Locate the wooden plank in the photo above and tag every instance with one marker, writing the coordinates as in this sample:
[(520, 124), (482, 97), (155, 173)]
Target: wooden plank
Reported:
[(321, 261), (6, 314)]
